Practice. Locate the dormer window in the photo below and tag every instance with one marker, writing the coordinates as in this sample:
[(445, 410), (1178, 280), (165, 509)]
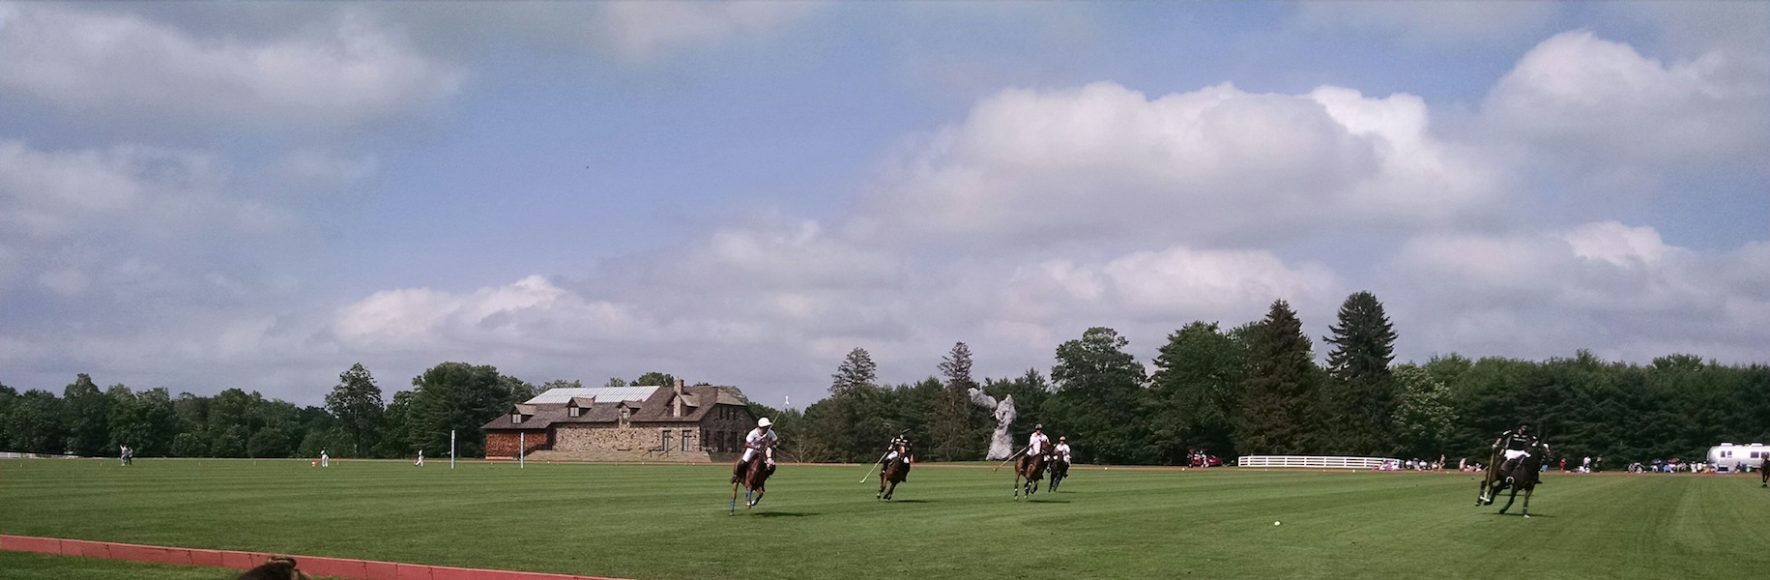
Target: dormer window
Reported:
[(576, 411), (516, 417)]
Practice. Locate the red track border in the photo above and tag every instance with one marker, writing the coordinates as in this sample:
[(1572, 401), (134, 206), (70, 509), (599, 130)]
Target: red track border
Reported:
[(312, 565)]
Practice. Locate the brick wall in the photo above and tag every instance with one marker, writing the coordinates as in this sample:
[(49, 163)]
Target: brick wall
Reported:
[(641, 441), (504, 443)]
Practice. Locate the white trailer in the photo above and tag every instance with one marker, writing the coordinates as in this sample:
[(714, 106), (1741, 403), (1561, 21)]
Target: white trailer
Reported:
[(1728, 457)]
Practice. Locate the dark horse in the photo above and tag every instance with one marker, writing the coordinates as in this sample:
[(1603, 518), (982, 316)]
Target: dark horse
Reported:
[(1764, 474), (895, 472), (1059, 470), (1523, 475), (1030, 469), (754, 479)]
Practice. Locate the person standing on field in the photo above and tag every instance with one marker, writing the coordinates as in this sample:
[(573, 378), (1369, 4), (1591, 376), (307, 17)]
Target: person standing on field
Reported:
[(420, 458), (325, 460)]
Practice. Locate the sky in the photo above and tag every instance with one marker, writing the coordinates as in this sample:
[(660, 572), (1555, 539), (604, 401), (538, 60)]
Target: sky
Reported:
[(201, 196)]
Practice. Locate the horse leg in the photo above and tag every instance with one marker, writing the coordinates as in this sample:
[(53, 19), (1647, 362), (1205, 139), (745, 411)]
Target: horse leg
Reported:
[(881, 494), (734, 499), (1510, 499), (1017, 485), (759, 494), (891, 490), (1527, 492)]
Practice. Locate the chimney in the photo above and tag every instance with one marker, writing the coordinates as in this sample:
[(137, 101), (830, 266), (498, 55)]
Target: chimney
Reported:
[(677, 410)]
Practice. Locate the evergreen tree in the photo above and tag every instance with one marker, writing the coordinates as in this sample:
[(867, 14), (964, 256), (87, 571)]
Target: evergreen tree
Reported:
[(1361, 394), (1279, 393), (356, 402), (857, 370), (955, 434)]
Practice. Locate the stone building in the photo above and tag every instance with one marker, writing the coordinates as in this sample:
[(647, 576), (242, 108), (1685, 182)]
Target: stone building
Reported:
[(679, 423)]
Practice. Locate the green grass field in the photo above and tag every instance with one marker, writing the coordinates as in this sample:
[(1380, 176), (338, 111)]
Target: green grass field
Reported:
[(950, 521)]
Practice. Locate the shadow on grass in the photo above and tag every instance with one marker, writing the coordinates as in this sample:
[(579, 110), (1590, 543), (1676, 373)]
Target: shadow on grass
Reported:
[(1519, 515), (909, 501), (781, 514)]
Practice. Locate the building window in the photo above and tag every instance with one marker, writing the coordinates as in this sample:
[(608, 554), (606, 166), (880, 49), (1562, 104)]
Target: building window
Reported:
[(687, 440), (577, 411), (666, 440)]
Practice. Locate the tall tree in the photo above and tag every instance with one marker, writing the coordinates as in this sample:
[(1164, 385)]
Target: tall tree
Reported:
[(1279, 391), (857, 370), (1100, 399), (144, 421), (655, 379), (1423, 413), (356, 402), (954, 430), (459, 397), (88, 418), (1361, 394), (35, 423), (7, 396), (1198, 374), (560, 384), (615, 382)]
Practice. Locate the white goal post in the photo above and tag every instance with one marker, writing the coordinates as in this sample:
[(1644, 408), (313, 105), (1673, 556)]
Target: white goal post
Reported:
[(1314, 461)]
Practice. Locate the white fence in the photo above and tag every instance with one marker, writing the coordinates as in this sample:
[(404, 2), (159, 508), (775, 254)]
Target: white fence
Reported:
[(1314, 461)]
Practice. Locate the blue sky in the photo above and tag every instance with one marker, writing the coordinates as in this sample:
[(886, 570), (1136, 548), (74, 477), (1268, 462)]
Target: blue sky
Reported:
[(201, 196)]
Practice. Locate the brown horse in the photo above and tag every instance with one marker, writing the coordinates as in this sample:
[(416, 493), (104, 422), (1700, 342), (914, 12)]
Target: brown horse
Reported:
[(895, 472), (1522, 476), (754, 478), (1030, 469)]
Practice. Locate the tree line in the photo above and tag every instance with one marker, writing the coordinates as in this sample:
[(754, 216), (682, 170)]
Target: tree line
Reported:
[(355, 422), (1255, 388)]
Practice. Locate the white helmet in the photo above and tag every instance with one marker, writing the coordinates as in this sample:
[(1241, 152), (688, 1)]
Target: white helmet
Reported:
[(764, 422)]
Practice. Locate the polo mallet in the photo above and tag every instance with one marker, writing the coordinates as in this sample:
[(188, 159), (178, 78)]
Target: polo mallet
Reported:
[(1010, 458)]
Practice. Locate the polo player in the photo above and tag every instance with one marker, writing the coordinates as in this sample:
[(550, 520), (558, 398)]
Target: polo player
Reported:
[(896, 448), (761, 440), (1038, 442), (1518, 444)]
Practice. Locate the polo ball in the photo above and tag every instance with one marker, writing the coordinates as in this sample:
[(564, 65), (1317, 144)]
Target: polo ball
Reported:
[(1275, 523)]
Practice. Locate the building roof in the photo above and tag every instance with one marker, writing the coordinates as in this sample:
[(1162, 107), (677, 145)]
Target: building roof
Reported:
[(604, 406), (609, 394)]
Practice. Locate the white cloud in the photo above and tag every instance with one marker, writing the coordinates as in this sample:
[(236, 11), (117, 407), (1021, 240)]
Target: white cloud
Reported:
[(1441, 22), (1103, 161), (124, 67), (645, 31), (146, 191), (1578, 96), (1620, 290)]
